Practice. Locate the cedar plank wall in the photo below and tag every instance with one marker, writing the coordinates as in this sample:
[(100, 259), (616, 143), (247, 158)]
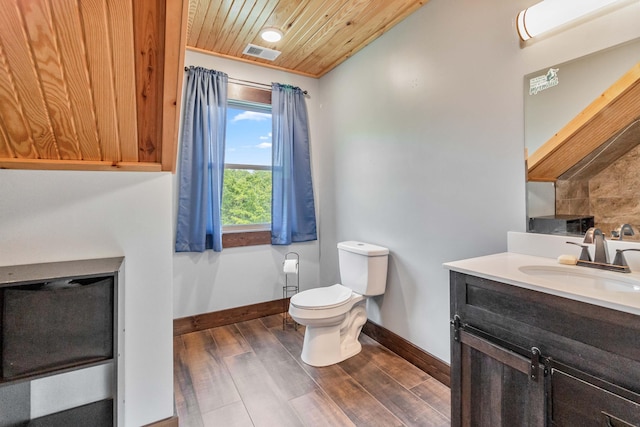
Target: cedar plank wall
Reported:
[(148, 18), (91, 84)]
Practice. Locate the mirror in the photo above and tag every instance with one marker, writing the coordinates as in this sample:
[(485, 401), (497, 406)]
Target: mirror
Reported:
[(560, 102)]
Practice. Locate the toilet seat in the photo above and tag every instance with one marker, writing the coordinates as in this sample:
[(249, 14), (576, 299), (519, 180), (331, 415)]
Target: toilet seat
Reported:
[(322, 298)]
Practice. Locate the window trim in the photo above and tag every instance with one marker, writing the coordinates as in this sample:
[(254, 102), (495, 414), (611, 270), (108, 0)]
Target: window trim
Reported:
[(246, 228), (240, 92), (246, 238), (247, 167)]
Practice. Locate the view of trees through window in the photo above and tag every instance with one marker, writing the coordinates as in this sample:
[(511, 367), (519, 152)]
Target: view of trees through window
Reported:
[(246, 194), (246, 197)]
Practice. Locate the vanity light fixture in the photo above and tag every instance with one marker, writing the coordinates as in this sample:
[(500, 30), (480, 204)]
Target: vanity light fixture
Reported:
[(271, 34), (549, 14)]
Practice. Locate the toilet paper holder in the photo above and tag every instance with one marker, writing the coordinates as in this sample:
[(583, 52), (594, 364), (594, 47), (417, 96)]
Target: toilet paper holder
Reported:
[(290, 288)]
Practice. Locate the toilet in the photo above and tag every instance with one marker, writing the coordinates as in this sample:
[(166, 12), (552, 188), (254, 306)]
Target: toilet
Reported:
[(334, 315)]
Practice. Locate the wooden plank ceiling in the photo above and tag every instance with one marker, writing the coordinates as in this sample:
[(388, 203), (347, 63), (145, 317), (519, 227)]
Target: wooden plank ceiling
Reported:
[(318, 34), (83, 83)]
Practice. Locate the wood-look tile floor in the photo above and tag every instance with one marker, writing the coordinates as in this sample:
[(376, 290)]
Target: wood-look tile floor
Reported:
[(251, 374)]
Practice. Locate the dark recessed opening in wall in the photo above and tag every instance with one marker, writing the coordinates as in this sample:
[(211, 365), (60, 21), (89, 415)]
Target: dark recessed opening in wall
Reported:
[(49, 326)]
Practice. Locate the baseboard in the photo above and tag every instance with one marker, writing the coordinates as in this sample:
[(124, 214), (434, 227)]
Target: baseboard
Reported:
[(200, 322), (167, 422), (430, 364)]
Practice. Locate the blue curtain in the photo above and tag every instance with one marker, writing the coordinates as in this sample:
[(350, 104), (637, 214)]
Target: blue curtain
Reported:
[(293, 215), (202, 161)]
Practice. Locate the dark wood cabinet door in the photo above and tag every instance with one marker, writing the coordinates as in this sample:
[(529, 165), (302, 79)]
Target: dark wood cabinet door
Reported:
[(592, 355), (575, 402), (491, 386)]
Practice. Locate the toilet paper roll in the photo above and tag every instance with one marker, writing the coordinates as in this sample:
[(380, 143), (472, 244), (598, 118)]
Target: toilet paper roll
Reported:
[(290, 266)]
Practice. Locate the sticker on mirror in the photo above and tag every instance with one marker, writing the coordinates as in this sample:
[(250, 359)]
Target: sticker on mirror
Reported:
[(540, 83)]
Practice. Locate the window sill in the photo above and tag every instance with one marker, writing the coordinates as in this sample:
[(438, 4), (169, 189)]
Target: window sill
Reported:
[(246, 238)]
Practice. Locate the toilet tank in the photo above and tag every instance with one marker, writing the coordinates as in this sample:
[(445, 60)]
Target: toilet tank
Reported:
[(363, 267)]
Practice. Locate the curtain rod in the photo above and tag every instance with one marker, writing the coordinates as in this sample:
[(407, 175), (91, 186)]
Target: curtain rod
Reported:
[(250, 83)]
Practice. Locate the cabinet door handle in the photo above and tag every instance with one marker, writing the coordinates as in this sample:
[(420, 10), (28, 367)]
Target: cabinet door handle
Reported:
[(612, 421)]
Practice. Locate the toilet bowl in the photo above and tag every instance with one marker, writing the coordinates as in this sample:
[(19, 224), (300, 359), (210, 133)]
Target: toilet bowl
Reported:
[(334, 315)]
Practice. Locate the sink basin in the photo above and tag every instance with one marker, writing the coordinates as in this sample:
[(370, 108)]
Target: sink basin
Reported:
[(582, 276)]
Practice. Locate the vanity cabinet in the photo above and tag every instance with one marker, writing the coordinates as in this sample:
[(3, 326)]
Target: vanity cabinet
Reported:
[(520, 357)]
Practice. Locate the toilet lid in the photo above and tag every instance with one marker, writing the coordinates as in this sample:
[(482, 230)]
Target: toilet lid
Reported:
[(330, 296)]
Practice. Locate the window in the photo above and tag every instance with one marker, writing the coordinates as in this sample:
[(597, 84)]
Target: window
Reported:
[(246, 196), (242, 209), (246, 199)]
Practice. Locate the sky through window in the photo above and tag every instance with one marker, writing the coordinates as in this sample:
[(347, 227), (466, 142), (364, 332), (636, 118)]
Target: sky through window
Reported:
[(248, 139)]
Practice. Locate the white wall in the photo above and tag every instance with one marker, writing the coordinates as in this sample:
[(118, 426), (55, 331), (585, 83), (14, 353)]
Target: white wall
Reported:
[(423, 148), (48, 216), (235, 277)]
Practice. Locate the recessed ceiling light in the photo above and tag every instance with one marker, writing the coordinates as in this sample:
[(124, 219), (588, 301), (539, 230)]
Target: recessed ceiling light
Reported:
[(271, 35)]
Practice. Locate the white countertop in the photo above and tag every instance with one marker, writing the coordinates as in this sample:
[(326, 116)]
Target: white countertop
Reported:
[(505, 268)]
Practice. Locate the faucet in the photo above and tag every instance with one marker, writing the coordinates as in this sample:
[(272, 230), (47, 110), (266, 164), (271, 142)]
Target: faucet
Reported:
[(601, 256), (595, 235), (623, 230)]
